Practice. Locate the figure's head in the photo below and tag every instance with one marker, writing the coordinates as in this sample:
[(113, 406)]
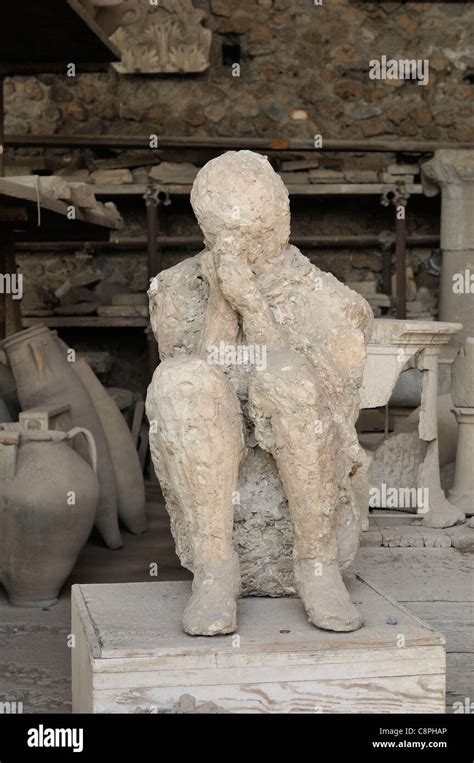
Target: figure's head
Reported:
[(240, 191)]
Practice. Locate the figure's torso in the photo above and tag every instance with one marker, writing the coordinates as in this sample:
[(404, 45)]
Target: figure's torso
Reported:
[(323, 319)]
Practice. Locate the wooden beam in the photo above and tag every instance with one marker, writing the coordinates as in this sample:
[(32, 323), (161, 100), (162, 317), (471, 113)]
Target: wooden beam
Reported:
[(29, 69), (171, 242), (85, 321), (12, 193), (294, 189), (13, 214), (220, 144)]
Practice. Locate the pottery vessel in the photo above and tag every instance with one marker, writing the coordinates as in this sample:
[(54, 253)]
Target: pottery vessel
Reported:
[(128, 472), (4, 412), (48, 503), (8, 392), (44, 377)]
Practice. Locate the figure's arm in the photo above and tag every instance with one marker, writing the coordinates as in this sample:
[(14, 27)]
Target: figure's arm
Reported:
[(240, 288), (220, 320)]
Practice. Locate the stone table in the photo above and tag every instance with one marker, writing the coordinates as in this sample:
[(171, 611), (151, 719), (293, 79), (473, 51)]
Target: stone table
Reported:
[(396, 345)]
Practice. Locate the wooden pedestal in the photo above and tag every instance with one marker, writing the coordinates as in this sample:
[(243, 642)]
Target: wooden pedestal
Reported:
[(131, 655)]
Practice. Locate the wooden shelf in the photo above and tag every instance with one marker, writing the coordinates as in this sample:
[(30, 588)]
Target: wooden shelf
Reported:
[(136, 189), (18, 193), (84, 321), (303, 189), (44, 216)]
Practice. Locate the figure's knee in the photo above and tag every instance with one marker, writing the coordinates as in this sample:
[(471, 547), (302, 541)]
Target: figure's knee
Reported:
[(187, 388), (287, 381), (193, 408), (186, 374)]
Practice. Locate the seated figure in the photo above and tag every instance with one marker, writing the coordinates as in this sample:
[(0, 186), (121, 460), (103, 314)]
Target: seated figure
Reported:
[(259, 349)]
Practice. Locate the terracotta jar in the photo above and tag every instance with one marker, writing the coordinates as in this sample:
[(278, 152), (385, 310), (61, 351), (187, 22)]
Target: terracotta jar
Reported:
[(48, 502), (45, 378), (128, 471), (4, 412), (8, 392)]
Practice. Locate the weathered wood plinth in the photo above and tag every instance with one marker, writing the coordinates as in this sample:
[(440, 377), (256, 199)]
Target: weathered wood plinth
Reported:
[(131, 656)]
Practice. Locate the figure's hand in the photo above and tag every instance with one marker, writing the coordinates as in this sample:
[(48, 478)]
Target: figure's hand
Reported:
[(241, 291), (235, 277), (209, 272), (220, 319)]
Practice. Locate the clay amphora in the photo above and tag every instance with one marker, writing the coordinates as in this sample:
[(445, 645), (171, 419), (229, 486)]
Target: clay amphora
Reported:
[(128, 472), (8, 392), (4, 412), (44, 377), (48, 503)]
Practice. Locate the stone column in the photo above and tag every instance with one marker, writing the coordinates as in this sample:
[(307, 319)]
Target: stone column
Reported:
[(438, 512), (453, 171), (462, 391), (462, 491)]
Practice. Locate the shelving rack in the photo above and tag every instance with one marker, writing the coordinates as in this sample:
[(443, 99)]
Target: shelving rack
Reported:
[(40, 38), (272, 147)]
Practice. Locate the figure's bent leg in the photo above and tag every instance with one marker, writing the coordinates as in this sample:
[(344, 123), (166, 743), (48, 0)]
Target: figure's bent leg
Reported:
[(293, 420), (196, 437)]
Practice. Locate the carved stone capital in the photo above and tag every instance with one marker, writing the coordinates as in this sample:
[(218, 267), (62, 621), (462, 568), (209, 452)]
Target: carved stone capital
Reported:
[(448, 167), (166, 37)]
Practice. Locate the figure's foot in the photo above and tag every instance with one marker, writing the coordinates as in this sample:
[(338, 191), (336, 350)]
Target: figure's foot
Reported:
[(212, 608), (443, 514), (325, 597)]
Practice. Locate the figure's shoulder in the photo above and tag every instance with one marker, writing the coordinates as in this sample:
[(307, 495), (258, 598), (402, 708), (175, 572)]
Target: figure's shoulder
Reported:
[(182, 275), (297, 259), (303, 269), (303, 264), (334, 291), (177, 299)]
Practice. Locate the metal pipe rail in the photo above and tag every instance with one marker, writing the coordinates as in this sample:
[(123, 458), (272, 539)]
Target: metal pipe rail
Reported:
[(194, 242), (219, 143)]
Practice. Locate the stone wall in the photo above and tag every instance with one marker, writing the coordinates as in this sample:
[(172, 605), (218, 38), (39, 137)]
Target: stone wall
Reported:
[(297, 60)]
